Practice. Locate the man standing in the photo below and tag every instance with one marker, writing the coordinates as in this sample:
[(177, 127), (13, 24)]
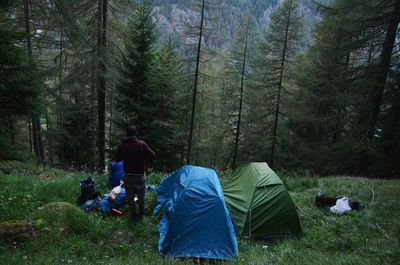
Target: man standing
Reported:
[(134, 153)]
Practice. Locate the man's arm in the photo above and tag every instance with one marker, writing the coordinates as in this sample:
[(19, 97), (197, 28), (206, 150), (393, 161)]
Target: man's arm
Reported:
[(150, 154)]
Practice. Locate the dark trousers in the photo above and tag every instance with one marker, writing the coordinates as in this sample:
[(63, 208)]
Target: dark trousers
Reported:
[(135, 184)]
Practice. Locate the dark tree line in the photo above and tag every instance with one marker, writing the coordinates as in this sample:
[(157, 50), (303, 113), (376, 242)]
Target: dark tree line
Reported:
[(75, 73)]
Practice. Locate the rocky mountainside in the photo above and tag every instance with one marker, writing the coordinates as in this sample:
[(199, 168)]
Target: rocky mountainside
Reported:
[(177, 18)]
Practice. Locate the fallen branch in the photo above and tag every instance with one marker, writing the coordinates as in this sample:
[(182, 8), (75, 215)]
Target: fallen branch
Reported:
[(373, 195), (303, 212), (308, 216), (383, 231)]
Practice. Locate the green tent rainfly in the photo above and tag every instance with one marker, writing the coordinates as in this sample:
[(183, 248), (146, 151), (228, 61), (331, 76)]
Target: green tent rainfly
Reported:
[(260, 204)]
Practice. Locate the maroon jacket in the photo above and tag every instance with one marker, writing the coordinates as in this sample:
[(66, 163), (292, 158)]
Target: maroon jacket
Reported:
[(134, 153)]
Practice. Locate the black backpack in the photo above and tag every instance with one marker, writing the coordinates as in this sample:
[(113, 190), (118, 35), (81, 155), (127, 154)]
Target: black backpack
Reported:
[(88, 190)]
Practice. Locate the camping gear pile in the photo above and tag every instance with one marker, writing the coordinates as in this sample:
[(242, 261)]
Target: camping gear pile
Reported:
[(90, 198), (338, 206), (201, 219), (113, 201)]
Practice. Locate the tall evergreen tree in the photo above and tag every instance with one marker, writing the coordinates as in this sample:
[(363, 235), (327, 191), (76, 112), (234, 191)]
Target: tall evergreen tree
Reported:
[(245, 41), (336, 79), (150, 89), (196, 78), (135, 97), (371, 108), (19, 89), (71, 87), (102, 7), (279, 46), (36, 124), (236, 73), (166, 128)]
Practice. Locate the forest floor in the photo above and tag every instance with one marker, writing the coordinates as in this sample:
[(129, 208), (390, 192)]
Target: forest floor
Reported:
[(70, 236)]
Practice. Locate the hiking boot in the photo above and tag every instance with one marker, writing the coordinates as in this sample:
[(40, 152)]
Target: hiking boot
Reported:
[(136, 218), (133, 217)]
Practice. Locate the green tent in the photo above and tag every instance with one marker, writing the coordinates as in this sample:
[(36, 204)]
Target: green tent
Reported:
[(260, 204)]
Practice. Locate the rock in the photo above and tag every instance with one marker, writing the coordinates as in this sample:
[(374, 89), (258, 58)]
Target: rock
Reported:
[(62, 218), (121, 238), (15, 231)]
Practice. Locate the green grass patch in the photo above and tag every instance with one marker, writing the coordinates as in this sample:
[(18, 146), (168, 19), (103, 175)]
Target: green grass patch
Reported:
[(67, 235)]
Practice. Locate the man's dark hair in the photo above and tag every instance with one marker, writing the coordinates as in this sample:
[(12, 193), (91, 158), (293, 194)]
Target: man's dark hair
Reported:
[(131, 130)]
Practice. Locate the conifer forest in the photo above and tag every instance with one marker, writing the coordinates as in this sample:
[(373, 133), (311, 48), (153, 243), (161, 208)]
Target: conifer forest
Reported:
[(304, 85)]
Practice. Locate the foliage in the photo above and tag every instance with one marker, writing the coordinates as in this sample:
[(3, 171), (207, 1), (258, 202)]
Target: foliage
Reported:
[(167, 128), (271, 79), (150, 89), (19, 86), (135, 98), (322, 101), (328, 127)]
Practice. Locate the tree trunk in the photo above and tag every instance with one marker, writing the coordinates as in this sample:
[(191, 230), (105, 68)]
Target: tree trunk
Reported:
[(371, 114), (196, 76), (37, 138), (278, 101), (13, 132), (30, 134), (101, 81), (61, 142), (49, 139), (93, 125), (111, 131), (340, 112), (36, 128), (240, 98), (390, 136)]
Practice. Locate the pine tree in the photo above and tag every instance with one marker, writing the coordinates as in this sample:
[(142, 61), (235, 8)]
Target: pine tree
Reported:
[(388, 20), (166, 128), (151, 89), (134, 101), (335, 82), (236, 73), (19, 89), (36, 124), (196, 78), (279, 46), (102, 7), (318, 122), (67, 52)]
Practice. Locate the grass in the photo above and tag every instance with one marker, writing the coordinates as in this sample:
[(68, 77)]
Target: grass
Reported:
[(66, 235)]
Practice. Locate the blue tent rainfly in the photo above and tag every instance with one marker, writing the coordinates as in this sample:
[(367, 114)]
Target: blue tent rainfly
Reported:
[(196, 222)]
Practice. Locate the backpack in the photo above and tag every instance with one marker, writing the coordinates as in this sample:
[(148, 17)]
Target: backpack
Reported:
[(88, 190), (116, 173)]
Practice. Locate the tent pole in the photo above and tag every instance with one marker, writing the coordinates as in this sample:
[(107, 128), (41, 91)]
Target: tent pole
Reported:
[(250, 228)]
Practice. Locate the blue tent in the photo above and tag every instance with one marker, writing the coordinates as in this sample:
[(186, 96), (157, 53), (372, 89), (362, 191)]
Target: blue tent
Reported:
[(196, 222)]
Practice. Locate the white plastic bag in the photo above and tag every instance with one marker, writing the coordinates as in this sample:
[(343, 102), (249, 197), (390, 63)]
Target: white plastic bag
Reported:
[(342, 206), (114, 192)]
